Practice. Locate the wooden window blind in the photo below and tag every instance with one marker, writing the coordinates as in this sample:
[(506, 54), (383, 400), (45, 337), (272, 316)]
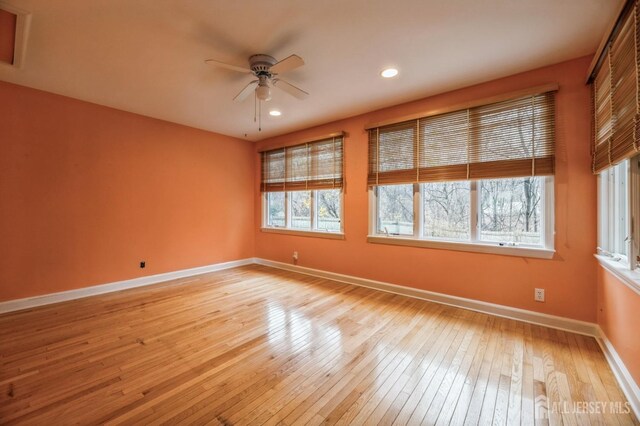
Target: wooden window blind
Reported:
[(616, 97), (510, 138), (312, 165)]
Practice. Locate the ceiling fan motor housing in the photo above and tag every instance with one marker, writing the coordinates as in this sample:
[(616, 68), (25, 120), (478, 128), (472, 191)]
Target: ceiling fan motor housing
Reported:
[(261, 64)]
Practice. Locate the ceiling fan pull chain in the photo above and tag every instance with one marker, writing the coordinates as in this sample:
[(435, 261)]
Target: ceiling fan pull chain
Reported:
[(260, 116), (255, 106)]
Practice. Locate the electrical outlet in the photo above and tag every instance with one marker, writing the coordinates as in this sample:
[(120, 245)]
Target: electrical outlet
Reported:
[(142, 264), (538, 295), (295, 255)]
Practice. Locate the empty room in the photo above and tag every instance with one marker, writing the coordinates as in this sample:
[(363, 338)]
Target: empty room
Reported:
[(298, 212)]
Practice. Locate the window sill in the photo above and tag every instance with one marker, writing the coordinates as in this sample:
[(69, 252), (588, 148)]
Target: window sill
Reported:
[(302, 233), (539, 253), (629, 278)]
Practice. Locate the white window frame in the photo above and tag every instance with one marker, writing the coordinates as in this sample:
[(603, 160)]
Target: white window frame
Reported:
[(474, 244), (622, 266), (313, 231)]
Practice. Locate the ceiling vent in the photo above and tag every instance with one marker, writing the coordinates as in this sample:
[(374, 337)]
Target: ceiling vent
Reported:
[(14, 28)]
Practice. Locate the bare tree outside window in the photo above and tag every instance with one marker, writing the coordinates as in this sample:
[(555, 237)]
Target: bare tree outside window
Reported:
[(276, 209), (329, 208), (395, 209), (300, 209), (511, 210), (446, 210)]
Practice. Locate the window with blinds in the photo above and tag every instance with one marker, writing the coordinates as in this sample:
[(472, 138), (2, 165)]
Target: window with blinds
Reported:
[(511, 138), (615, 96), (312, 165)]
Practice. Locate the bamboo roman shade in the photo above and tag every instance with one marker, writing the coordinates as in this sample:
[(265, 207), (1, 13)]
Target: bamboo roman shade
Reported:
[(509, 138), (615, 96), (312, 165)]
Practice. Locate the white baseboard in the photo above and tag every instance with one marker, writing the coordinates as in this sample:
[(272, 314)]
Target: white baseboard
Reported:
[(625, 380), (561, 323), (552, 321), (31, 302)]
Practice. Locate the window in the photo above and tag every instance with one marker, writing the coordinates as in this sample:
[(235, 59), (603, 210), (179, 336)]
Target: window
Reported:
[(501, 213), (476, 179), (276, 208), (447, 210), (617, 210), (300, 205), (511, 211), (302, 187), (315, 211), (395, 204), (615, 94), (328, 212)]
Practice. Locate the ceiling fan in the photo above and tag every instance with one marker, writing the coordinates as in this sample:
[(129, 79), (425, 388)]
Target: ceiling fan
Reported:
[(266, 69)]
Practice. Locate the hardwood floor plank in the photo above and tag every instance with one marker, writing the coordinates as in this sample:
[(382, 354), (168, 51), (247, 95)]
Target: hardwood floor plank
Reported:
[(450, 380), (255, 345), (468, 373), (486, 412), (450, 357), (468, 406), (527, 416), (517, 376)]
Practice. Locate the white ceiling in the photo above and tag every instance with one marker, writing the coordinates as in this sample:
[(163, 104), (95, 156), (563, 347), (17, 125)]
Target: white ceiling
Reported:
[(147, 56)]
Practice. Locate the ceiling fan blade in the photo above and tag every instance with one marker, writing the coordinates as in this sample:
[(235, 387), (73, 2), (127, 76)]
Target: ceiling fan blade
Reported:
[(228, 66), (287, 64), (290, 88), (248, 89)]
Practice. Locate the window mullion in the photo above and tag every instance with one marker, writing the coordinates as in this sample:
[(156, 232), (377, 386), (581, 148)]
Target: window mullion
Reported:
[(611, 221), (634, 189), (620, 228), (417, 211), (616, 211), (287, 209), (473, 211), (545, 219), (314, 213), (602, 210), (548, 223), (341, 211), (374, 211), (628, 194), (265, 209)]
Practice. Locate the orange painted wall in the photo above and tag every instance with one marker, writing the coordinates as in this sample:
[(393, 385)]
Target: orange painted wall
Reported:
[(619, 316), (86, 192), (569, 278)]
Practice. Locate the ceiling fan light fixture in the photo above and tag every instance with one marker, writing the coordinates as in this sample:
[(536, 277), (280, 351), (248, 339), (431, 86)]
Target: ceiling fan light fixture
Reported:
[(275, 113), (263, 92), (389, 72)]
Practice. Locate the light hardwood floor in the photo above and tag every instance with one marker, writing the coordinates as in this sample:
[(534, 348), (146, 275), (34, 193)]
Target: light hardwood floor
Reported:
[(255, 345)]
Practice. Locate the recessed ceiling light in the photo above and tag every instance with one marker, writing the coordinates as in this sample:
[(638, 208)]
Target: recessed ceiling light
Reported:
[(389, 72), (275, 113)]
